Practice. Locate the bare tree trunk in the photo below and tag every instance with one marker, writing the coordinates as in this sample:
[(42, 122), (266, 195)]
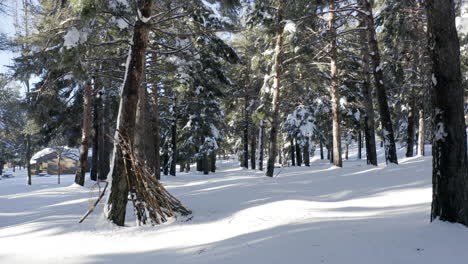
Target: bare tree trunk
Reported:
[(347, 151), (277, 71), (206, 168), (253, 147), (96, 109), (104, 150), (411, 127), (261, 145), (85, 135), (155, 121), (388, 136), (172, 170), (321, 150), (59, 168), (115, 207), (245, 155), (213, 161), (298, 154), (359, 144), (335, 83), (421, 133), (292, 152), (306, 152), (450, 172)]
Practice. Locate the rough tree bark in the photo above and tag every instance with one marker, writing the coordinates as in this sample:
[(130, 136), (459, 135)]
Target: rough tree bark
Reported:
[(85, 135), (277, 71), (335, 83), (377, 67), (115, 208), (450, 172)]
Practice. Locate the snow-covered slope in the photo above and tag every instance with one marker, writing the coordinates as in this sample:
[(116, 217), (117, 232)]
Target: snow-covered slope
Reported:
[(357, 214)]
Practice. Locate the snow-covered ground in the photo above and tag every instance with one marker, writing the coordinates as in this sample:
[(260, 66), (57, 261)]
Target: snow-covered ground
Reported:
[(317, 214)]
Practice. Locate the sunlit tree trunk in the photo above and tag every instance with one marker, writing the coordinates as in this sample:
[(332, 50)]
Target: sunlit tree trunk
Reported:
[(85, 135), (277, 71)]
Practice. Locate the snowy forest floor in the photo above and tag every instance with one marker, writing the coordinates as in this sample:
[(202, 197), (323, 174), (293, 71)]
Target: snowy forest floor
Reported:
[(317, 214)]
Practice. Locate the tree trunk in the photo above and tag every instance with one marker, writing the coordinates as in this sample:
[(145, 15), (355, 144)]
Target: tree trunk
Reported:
[(359, 144), (253, 147), (245, 154), (261, 145), (347, 151), (389, 139), (104, 140), (335, 83), (59, 168), (85, 135), (213, 161), (155, 121), (321, 150), (298, 154), (174, 142), (421, 133), (292, 152), (450, 172), (206, 164), (95, 160), (143, 132), (411, 127), (165, 159), (277, 71), (115, 207), (306, 153)]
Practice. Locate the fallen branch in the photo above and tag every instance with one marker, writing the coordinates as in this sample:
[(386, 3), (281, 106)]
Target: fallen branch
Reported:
[(95, 204)]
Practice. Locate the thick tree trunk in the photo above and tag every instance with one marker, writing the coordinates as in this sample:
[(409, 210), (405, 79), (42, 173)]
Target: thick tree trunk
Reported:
[(335, 83), (411, 127), (277, 71), (421, 133), (85, 135), (450, 172), (298, 154), (115, 207), (143, 133), (261, 145), (389, 138)]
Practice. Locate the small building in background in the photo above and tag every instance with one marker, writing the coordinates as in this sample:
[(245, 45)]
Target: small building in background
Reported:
[(47, 161)]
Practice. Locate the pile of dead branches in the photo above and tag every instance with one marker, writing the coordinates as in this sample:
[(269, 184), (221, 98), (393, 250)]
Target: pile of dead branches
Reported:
[(153, 204)]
